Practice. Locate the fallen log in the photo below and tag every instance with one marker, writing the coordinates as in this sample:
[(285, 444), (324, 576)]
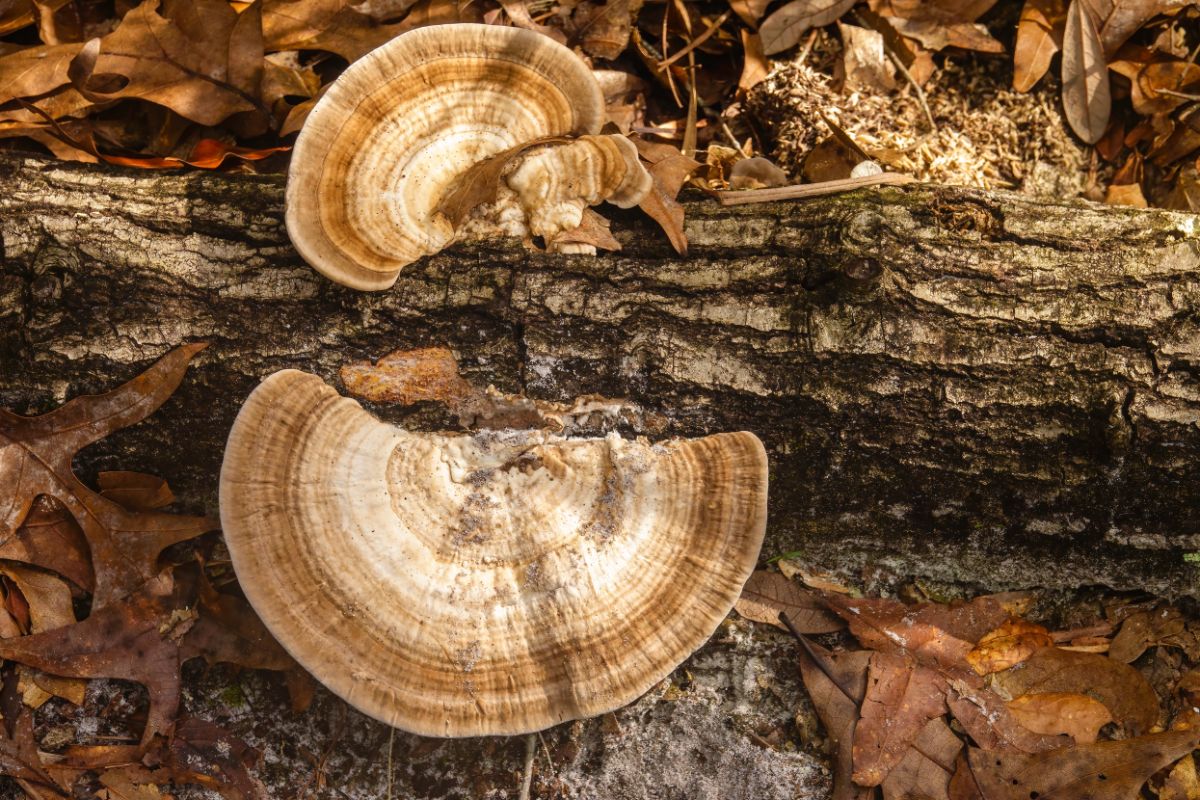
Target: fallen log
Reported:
[(952, 385)]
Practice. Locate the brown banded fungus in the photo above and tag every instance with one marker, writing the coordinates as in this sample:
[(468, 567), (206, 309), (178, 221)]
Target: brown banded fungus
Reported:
[(490, 583), (398, 129)]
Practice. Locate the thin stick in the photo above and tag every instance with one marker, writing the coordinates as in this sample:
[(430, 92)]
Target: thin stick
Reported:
[(746, 196), (530, 750), (699, 40)]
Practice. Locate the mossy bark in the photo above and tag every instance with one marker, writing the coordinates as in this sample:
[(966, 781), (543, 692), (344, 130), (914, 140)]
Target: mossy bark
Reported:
[(952, 384)]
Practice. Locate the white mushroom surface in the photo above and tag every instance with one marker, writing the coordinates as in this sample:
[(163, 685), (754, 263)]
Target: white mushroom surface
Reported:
[(391, 134), (557, 182), (478, 584)]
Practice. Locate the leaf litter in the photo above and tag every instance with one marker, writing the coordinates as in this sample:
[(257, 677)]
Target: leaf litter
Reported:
[(144, 606), (975, 701)]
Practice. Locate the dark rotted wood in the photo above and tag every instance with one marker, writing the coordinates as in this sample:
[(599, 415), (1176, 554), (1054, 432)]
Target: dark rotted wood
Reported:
[(952, 384)]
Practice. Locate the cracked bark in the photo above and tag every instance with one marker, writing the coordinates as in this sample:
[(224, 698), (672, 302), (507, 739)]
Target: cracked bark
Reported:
[(952, 384)]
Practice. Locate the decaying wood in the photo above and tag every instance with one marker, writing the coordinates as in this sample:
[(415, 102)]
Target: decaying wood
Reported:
[(951, 384)]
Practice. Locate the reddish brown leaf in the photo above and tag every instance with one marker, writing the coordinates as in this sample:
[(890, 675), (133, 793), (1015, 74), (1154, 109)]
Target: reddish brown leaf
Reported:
[(480, 184), (205, 62), (228, 631), (134, 639), (927, 767), (603, 29), (901, 698), (927, 632), (767, 594), (937, 34), (986, 719), (1085, 92), (837, 682), (1100, 771), (1164, 627), (784, 27), (1076, 715), (1010, 644), (662, 207), (137, 491), (1039, 37), (35, 459), (19, 756), (50, 538), (1132, 700)]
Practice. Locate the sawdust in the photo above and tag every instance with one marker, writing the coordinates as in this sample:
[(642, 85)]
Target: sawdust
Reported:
[(988, 135)]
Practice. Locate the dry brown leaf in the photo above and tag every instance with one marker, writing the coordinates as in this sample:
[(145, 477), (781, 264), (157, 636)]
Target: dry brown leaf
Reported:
[(901, 698), (50, 538), (1162, 627), (1039, 37), (594, 230), (962, 783), (35, 71), (768, 594), (1127, 17), (927, 767), (661, 206), (1132, 700), (204, 63), (937, 34), (425, 374), (1182, 783), (603, 29), (755, 173), (48, 597), (136, 491), (865, 64), (15, 14), (337, 26), (784, 27), (135, 639), (19, 757), (1077, 715), (836, 682), (1157, 87), (1010, 644), (754, 62), (989, 722), (1125, 194), (35, 459), (1100, 771), (749, 11), (1086, 97)]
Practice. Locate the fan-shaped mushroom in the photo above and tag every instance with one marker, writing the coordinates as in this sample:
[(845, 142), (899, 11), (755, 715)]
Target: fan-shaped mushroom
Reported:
[(496, 583), (391, 135)]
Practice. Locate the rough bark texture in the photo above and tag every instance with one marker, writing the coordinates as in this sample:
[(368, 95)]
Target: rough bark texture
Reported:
[(953, 385)]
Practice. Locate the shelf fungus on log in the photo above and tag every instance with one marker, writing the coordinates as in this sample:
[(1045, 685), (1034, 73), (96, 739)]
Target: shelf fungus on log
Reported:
[(404, 125), (483, 584)]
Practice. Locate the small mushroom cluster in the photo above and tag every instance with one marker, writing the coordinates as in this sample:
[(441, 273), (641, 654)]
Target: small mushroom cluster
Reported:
[(479, 584), (406, 123)]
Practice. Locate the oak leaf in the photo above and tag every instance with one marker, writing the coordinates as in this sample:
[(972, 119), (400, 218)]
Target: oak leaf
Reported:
[(202, 60), (35, 459), (768, 594), (1101, 771), (1121, 688), (901, 698), (1163, 627), (837, 682)]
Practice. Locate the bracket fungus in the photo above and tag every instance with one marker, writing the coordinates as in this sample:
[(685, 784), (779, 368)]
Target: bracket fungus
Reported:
[(482, 584), (398, 129)]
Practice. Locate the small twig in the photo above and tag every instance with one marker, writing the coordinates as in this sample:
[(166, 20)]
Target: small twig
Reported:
[(733, 139), (801, 192), (699, 40), (807, 48), (530, 749), (1184, 95)]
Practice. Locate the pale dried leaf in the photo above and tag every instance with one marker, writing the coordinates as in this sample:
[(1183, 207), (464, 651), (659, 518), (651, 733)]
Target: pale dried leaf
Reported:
[(1039, 37), (1086, 96), (784, 27), (768, 594)]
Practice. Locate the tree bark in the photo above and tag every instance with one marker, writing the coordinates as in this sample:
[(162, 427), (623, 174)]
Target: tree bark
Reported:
[(953, 385)]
